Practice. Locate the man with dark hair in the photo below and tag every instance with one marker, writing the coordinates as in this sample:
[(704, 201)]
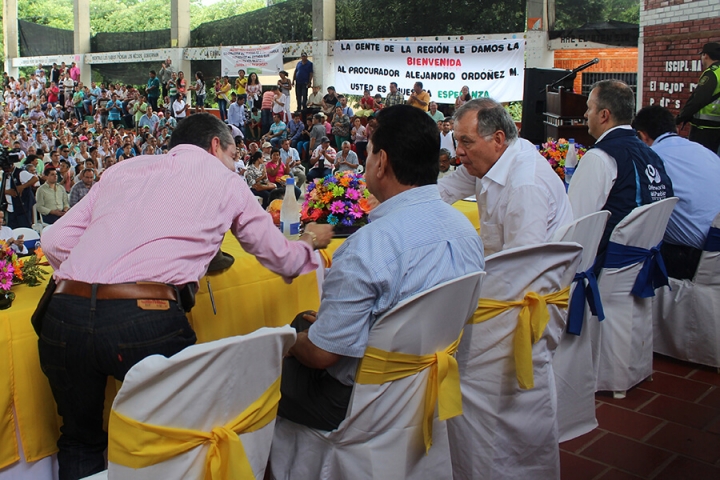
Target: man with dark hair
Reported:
[(114, 305), (394, 97), (703, 108), (81, 188), (620, 173), (413, 243), (302, 80), (419, 98), (520, 199), (695, 173), (153, 90)]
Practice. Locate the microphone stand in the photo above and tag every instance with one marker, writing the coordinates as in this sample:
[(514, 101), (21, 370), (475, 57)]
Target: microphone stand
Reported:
[(572, 73)]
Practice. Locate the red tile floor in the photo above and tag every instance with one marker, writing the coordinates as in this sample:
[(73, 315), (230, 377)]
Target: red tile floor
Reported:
[(665, 429)]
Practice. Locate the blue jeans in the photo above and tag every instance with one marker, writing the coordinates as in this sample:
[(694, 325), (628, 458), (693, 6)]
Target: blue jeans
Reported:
[(81, 344), (266, 117), (276, 141), (222, 106)]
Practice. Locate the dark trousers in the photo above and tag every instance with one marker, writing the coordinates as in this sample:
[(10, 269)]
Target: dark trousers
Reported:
[(681, 261), (266, 118), (50, 219), (301, 95), (314, 173), (311, 397), (264, 194), (153, 101), (82, 342), (708, 137), (17, 220)]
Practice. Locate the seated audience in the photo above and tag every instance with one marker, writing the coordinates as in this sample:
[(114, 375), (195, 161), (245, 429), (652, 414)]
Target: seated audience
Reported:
[(322, 160), (52, 199), (346, 160), (695, 174)]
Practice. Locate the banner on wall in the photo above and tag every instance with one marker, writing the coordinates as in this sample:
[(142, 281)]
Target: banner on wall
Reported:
[(259, 59), (490, 68)]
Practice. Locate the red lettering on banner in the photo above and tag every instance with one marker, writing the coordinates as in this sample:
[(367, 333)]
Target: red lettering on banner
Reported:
[(434, 62)]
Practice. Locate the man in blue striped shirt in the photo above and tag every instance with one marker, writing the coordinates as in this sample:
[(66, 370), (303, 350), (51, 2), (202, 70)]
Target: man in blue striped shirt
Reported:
[(414, 241)]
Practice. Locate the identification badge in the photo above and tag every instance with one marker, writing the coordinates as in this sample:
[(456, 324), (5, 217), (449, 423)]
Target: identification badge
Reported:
[(153, 304)]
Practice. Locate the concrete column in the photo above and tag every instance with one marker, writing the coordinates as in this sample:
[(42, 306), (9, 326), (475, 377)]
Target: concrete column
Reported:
[(81, 38), (180, 33), (10, 35), (537, 53), (323, 16)]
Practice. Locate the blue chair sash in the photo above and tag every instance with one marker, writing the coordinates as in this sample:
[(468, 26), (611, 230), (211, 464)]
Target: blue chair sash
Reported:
[(712, 242), (653, 273), (582, 294)]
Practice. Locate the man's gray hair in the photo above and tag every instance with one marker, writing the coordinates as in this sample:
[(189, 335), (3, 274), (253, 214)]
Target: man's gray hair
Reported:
[(345, 143), (491, 117), (446, 152), (616, 97)]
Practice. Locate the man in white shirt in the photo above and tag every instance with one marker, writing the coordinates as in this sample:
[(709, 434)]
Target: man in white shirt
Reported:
[(179, 107), (236, 112), (521, 200), (445, 167), (695, 174), (447, 138), (322, 160)]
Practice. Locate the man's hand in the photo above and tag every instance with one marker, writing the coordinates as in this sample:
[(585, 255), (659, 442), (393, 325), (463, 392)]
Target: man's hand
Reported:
[(20, 242), (323, 235)]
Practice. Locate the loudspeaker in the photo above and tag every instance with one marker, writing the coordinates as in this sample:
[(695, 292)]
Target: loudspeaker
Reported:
[(534, 106)]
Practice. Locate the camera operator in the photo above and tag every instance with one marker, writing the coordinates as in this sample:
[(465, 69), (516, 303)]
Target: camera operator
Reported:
[(19, 197)]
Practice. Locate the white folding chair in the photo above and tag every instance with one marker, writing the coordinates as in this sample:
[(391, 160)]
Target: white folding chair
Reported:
[(686, 323), (573, 361), (507, 431), (38, 223), (626, 340), (382, 435), (201, 388)]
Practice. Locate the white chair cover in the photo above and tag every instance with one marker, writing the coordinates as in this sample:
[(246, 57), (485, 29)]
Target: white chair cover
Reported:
[(30, 236), (199, 388), (626, 341), (686, 322), (573, 361), (506, 433), (382, 436)]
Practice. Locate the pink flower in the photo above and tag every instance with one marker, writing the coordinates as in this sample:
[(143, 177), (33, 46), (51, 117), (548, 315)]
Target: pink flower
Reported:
[(337, 207), (352, 194), (356, 211)]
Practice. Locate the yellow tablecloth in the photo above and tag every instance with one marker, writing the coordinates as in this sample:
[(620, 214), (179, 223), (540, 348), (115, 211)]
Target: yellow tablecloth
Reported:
[(247, 297)]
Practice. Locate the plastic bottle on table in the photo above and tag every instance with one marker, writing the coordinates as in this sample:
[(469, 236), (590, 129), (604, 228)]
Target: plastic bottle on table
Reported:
[(290, 212), (571, 161)]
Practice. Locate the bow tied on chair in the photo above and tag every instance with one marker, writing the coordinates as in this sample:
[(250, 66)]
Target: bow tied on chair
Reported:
[(532, 320), (582, 294), (653, 273), (712, 242), (443, 387), (135, 444)]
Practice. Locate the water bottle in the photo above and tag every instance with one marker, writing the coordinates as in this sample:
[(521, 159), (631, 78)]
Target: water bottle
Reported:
[(571, 161), (290, 212)]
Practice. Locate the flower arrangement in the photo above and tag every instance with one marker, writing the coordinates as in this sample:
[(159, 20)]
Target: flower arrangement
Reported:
[(555, 152), (338, 199), (14, 270)]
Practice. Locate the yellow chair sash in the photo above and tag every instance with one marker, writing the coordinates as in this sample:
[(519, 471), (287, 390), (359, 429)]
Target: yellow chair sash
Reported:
[(136, 445), (533, 319), (443, 387)]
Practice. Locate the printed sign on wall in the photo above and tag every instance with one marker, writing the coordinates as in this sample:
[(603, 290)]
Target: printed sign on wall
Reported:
[(490, 68), (259, 59)]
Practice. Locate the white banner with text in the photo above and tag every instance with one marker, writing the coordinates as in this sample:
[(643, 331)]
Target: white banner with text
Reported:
[(490, 68), (259, 59)]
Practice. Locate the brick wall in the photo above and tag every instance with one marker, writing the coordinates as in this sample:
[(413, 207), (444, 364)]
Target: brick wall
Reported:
[(612, 60), (673, 33)]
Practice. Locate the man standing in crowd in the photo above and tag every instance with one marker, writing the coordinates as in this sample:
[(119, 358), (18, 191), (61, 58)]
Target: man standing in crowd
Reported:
[(266, 112), (447, 137), (394, 97), (166, 71), (19, 198), (153, 90), (391, 259), (695, 174), (419, 98), (118, 304), (435, 114), (520, 199), (302, 80), (236, 113), (149, 120), (703, 108), (179, 107), (620, 172)]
